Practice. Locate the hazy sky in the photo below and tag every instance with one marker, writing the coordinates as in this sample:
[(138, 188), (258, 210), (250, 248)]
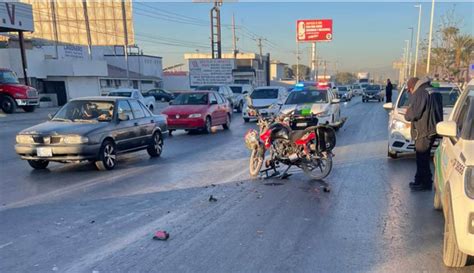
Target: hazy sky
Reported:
[(366, 35)]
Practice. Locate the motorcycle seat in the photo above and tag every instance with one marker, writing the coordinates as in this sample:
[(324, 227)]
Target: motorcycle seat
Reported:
[(295, 135)]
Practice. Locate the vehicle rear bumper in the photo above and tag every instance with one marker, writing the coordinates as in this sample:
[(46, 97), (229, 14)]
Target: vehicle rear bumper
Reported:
[(185, 123), (27, 102), (59, 152)]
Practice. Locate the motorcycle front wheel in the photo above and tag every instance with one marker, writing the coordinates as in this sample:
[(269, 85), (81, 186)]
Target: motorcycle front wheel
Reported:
[(318, 168), (256, 162)]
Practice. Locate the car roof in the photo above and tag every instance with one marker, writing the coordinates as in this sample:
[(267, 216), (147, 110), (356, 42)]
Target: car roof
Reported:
[(267, 87), (197, 91), (443, 84), (124, 90)]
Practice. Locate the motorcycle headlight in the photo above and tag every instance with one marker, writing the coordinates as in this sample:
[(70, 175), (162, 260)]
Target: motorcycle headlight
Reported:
[(73, 139), (469, 182), (24, 139), (195, 115), (400, 125)]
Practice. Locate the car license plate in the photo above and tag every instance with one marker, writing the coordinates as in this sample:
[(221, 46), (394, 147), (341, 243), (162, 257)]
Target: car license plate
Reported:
[(301, 124), (44, 152)]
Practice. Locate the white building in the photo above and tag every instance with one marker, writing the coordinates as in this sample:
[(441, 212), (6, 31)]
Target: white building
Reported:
[(277, 70)]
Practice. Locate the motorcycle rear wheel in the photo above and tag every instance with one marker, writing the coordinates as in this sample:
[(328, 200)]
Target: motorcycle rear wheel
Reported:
[(256, 162), (318, 168)]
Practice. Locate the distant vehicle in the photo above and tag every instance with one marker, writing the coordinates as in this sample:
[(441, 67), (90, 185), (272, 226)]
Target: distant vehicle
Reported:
[(372, 92), (356, 89), (344, 93), (148, 101), (240, 92), (267, 100), (363, 78), (222, 89), (454, 180), (93, 129), (198, 110), (399, 138), (159, 94), (312, 106), (13, 94)]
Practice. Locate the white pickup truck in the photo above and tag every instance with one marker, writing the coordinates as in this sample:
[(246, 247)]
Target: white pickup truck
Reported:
[(148, 101)]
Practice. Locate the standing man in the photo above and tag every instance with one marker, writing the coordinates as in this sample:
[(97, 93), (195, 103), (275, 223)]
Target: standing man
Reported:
[(388, 91), (424, 112)]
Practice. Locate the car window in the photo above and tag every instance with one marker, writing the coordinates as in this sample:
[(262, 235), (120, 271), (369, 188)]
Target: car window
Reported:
[(208, 88), (465, 118), (265, 93), (135, 95), (236, 89), (145, 110), (404, 100), (191, 99), (124, 108), (220, 99), (212, 98), (307, 96), (120, 94), (136, 109)]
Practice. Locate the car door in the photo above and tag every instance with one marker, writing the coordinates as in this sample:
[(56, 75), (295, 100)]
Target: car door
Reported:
[(214, 108), (125, 131), (141, 124), (224, 108)]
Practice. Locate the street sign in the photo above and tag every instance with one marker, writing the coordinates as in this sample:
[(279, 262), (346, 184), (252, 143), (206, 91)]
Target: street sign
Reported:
[(314, 30), (15, 16), (210, 71)]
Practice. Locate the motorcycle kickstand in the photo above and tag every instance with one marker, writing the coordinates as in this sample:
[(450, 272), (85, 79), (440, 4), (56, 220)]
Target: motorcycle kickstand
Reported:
[(267, 176), (285, 173)]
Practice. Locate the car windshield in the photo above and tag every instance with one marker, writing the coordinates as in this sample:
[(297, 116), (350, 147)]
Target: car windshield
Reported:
[(307, 96), (85, 111), (236, 89), (208, 87), (449, 95), (8, 77), (264, 94), (342, 89), (468, 122), (355, 86), (191, 99), (372, 88), (120, 94)]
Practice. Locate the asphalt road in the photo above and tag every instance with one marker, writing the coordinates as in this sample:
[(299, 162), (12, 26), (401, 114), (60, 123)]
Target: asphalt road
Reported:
[(72, 218)]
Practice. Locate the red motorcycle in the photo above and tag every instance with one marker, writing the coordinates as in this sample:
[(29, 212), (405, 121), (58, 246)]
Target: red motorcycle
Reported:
[(309, 149)]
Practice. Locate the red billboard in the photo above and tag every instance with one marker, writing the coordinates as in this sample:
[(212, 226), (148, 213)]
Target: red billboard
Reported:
[(314, 30)]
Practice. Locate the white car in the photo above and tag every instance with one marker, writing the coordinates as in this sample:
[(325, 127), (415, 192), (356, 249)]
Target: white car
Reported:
[(399, 138), (267, 100), (356, 90), (344, 93), (240, 91), (311, 102), (148, 101), (454, 180)]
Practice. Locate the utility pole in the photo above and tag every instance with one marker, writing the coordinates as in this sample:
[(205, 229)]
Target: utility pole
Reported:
[(216, 44), (417, 38), (55, 27), (125, 46), (410, 54), (88, 30), (430, 38), (259, 44), (297, 62), (313, 61), (234, 38), (407, 49)]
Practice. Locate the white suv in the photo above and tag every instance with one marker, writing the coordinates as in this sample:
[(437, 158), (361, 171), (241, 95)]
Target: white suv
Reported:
[(399, 138), (454, 180), (241, 91), (267, 100)]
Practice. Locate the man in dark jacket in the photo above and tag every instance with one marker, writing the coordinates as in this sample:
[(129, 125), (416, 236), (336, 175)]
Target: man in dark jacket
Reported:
[(388, 91), (424, 111)]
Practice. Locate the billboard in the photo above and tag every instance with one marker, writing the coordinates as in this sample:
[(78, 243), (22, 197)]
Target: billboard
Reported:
[(319, 30), (210, 71)]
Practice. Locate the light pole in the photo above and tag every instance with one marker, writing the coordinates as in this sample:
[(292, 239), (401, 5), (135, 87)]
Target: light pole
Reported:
[(417, 38), (411, 47), (430, 38), (407, 49)]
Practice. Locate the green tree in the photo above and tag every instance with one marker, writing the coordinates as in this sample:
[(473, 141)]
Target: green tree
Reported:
[(345, 78), (303, 71), (288, 73)]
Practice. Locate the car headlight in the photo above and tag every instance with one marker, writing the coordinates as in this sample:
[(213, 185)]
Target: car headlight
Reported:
[(195, 115), (24, 139), (75, 139), (400, 125), (469, 182)]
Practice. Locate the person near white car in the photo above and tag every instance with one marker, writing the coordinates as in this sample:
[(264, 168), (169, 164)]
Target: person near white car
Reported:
[(454, 180), (267, 100)]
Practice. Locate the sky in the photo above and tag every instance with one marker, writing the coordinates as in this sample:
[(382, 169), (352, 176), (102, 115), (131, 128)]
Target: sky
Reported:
[(366, 35)]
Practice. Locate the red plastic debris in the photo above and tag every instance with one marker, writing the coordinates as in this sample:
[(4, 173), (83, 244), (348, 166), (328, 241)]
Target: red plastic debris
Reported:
[(161, 235)]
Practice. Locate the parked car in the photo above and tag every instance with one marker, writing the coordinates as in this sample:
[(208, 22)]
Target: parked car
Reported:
[(399, 138), (13, 94), (240, 92), (159, 94), (267, 100), (313, 106), (198, 110), (344, 93), (454, 180), (222, 89), (148, 101), (372, 92), (93, 129)]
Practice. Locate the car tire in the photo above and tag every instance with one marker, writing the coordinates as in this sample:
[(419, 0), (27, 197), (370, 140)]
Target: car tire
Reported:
[(38, 164), (8, 104), (107, 159), (393, 155), (452, 256), (29, 108), (207, 125), (226, 125), (246, 119), (240, 108), (156, 145)]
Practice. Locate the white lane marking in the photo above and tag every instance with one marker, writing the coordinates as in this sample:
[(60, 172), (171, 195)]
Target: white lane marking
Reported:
[(4, 245)]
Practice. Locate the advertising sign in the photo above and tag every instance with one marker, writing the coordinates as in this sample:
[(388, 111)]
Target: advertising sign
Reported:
[(314, 30), (16, 16), (210, 71)]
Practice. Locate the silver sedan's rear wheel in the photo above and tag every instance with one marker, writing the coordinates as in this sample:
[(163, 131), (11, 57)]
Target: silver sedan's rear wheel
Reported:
[(156, 145), (107, 156)]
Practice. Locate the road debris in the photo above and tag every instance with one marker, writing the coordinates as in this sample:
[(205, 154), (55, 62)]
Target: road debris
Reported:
[(212, 199), (161, 235)]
